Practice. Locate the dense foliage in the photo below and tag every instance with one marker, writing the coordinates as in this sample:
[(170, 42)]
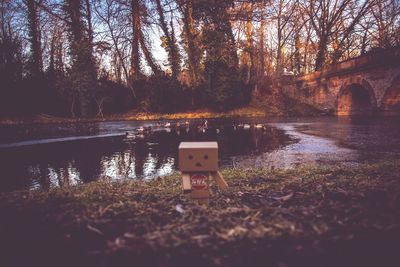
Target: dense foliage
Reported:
[(59, 56)]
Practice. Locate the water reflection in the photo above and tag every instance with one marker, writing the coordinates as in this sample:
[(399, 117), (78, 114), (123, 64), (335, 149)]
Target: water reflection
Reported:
[(144, 152), (365, 134), (13, 133)]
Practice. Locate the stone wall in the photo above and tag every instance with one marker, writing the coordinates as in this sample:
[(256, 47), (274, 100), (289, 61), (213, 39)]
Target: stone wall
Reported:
[(342, 87)]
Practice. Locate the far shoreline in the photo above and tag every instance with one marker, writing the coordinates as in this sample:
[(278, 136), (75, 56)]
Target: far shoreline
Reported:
[(134, 115)]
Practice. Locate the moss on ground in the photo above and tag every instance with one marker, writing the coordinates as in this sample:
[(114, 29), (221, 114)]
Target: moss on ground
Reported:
[(306, 216)]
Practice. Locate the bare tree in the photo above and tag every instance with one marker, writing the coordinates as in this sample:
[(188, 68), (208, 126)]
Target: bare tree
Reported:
[(331, 17), (385, 23), (284, 11), (108, 12)]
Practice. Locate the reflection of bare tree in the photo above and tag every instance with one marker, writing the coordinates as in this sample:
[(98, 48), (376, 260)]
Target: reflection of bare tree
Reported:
[(120, 163), (123, 161), (87, 160), (140, 150), (152, 153), (131, 161), (44, 178), (64, 179)]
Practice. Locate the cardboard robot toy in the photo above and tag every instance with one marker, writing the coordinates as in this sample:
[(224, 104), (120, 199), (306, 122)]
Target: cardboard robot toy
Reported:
[(197, 162)]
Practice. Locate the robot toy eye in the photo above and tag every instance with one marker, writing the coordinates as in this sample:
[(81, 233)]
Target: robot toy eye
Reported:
[(205, 156), (190, 157)]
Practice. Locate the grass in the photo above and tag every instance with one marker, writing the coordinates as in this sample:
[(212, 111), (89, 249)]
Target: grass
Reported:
[(260, 107), (248, 111), (306, 216)]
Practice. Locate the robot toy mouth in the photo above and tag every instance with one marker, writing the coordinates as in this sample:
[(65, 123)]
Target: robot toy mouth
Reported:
[(198, 164)]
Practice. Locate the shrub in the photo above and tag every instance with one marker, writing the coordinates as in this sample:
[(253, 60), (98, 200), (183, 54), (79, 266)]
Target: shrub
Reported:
[(164, 94), (113, 97), (224, 88)]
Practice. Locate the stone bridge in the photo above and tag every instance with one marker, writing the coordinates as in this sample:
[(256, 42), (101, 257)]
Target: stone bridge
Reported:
[(369, 84)]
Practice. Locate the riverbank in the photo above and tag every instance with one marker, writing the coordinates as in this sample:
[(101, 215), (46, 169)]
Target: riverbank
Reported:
[(324, 216), (138, 116), (271, 107)]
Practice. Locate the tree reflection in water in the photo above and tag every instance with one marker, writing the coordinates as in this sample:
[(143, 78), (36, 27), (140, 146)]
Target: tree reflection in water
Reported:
[(137, 155)]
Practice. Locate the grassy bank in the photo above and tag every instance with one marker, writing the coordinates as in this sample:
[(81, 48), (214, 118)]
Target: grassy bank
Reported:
[(262, 107), (139, 116), (301, 217)]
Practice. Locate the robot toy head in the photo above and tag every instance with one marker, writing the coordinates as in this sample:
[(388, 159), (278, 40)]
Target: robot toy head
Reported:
[(198, 156)]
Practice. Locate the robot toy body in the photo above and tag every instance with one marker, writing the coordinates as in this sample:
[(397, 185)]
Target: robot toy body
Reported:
[(197, 162)]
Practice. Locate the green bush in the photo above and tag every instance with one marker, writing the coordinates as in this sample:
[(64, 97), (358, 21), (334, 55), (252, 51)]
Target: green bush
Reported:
[(114, 97), (163, 94), (224, 88)]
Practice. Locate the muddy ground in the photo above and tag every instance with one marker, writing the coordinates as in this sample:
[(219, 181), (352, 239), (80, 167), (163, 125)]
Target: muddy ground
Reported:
[(324, 216)]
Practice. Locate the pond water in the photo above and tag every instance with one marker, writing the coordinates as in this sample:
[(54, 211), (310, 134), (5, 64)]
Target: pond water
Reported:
[(46, 156)]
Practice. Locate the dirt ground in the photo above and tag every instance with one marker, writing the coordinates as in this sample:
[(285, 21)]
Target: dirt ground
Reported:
[(306, 216)]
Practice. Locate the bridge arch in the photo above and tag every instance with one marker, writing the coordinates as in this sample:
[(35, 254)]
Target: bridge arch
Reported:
[(356, 97), (391, 100)]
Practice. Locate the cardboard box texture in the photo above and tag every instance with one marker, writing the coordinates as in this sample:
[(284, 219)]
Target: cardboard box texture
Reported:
[(198, 156), (197, 162)]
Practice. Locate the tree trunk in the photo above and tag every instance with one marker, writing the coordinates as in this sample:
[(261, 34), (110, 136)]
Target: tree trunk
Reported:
[(149, 58), (171, 46), (116, 66), (89, 21), (36, 63), (306, 59), (52, 55), (135, 56), (364, 43), (83, 67), (90, 33), (56, 64), (279, 55), (59, 60), (231, 42), (297, 54), (262, 47), (176, 60), (192, 47), (249, 43), (321, 54)]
